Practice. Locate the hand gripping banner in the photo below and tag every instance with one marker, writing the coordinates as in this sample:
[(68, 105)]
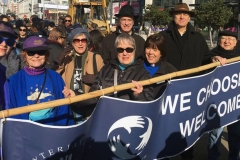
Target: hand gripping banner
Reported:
[(121, 129)]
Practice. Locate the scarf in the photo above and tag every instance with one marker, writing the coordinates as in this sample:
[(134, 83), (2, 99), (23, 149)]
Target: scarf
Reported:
[(225, 53), (33, 71)]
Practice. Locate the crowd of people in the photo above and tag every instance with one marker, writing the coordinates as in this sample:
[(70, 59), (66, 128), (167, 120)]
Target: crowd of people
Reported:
[(43, 63)]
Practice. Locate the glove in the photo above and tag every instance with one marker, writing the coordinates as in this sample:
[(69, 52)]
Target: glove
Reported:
[(88, 79)]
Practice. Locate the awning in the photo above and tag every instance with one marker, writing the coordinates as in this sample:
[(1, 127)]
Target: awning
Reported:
[(55, 11)]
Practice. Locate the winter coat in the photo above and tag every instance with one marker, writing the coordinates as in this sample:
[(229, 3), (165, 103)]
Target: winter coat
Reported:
[(2, 81), (105, 79), (13, 62), (193, 53), (67, 67), (164, 68), (55, 51), (108, 49)]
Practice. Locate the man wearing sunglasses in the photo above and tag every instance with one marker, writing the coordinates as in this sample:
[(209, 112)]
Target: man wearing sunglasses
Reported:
[(7, 40), (68, 24), (126, 19)]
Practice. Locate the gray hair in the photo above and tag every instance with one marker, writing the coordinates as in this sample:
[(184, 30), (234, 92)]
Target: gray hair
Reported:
[(126, 39)]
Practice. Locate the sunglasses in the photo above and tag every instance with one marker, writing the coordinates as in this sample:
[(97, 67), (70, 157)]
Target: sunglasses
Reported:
[(84, 40), (67, 20), (10, 42), (24, 30), (128, 50), (32, 53)]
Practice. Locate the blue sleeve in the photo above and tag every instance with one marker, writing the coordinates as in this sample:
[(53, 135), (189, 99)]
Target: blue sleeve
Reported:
[(11, 98)]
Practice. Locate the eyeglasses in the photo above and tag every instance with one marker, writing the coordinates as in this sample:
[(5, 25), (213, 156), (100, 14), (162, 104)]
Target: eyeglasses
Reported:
[(10, 42), (84, 40), (229, 39), (128, 50), (32, 53), (68, 20), (129, 20), (24, 30)]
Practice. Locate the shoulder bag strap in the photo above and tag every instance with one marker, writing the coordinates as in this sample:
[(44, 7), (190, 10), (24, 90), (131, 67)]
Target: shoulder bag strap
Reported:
[(44, 81), (95, 71)]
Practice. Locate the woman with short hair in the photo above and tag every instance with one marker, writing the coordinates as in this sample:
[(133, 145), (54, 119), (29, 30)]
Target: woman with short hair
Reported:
[(124, 69), (155, 63)]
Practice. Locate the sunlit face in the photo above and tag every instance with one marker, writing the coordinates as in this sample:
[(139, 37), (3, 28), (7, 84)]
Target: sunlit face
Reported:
[(153, 55), (126, 58), (4, 48), (5, 20), (181, 19), (80, 43), (228, 42), (126, 24), (67, 21), (35, 59)]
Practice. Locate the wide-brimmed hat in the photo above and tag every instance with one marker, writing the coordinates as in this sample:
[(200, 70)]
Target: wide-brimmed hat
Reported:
[(228, 33), (126, 11), (35, 43), (182, 7), (7, 31)]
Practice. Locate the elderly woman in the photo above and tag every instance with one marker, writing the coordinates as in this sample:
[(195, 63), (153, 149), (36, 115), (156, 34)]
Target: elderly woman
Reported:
[(36, 84), (155, 64), (226, 49), (79, 68), (124, 69)]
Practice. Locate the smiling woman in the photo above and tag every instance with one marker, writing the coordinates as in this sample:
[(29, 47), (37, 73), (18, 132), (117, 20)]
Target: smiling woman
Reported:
[(155, 64), (78, 69), (123, 69), (7, 39), (36, 84)]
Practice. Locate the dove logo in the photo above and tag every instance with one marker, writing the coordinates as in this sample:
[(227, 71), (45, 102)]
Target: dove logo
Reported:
[(129, 135)]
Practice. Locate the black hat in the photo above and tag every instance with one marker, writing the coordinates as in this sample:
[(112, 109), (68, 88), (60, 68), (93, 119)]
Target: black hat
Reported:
[(228, 33), (126, 11)]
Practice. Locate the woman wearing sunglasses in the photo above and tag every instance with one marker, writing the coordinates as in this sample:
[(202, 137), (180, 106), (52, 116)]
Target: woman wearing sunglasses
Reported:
[(155, 64), (124, 69), (22, 36), (79, 68), (35, 84), (12, 60), (7, 40)]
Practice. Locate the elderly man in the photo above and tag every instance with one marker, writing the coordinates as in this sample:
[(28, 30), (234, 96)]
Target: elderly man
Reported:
[(126, 20), (186, 47), (7, 40), (226, 48)]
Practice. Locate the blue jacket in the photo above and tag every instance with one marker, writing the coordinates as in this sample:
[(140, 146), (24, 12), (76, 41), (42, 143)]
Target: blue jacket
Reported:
[(24, 90)]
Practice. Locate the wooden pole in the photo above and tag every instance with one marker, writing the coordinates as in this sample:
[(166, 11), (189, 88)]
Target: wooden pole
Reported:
[(51, 104)]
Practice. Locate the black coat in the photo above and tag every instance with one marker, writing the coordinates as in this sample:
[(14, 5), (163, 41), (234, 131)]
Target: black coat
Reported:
[(219, 51), (108, 50), (192, 53), (165, 68), (105, 79)]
